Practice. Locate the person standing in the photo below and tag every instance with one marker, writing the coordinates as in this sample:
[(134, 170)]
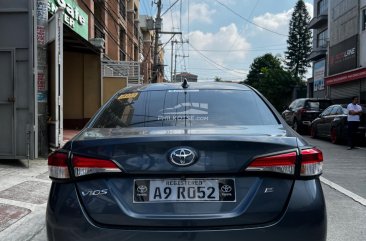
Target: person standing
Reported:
[(353, 118)]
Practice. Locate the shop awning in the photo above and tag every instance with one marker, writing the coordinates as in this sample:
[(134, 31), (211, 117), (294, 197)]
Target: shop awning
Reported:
[(74, 42), (346, 76)]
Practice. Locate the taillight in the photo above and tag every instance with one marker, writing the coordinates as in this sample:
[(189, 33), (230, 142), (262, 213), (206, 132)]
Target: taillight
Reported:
[(57, 165), (312, 162), (281, 163), (303, 110), (86, 165)]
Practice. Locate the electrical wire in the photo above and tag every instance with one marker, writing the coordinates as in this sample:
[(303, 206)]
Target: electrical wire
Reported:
[(247, 20), (213, 62), (169, 8)]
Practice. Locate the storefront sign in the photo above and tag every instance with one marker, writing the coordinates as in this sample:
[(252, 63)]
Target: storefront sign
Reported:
[(346, 77), (343, 56), (41, 81), (74, 16), (319, 70), (42, 96), (41, 35)]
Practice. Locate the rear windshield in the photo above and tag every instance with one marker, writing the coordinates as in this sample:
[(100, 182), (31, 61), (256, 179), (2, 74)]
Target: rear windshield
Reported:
[(194, 108), (317, 105)]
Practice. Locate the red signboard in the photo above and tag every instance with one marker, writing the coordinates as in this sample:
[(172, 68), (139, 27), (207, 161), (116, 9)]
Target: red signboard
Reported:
[(346, 77)]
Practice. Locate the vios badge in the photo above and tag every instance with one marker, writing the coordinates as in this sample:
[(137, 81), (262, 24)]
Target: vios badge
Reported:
[(183, 156)]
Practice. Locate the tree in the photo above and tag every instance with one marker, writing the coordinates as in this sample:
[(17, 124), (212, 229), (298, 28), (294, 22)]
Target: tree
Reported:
[(218, 79), (299, 41), (268, 76)]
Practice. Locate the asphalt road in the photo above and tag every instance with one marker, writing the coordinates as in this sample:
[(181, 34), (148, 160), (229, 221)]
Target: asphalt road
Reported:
[(344, 185)]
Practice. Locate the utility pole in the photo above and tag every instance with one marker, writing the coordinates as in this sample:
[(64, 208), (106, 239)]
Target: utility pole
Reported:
[(175, 65), (175, 62), (171, 60), (157, 28), (156, 48)]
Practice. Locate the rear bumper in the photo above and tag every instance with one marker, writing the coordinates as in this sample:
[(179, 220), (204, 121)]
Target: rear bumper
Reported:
[(304, 219)]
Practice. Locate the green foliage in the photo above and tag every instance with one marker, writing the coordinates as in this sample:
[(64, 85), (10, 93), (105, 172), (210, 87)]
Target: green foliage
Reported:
[(268, 76), (299, 41), (217, 79)]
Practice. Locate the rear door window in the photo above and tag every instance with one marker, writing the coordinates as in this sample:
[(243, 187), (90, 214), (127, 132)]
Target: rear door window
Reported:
[(334, 111), (194, 108), (317, 105), (300, 103), (327, 111)]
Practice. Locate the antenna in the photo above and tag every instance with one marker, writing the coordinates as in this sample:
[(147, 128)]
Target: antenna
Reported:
[(185, 84)]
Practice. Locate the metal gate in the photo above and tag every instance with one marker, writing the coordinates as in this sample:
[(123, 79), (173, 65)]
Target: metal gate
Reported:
[(7, 100), (344, 92), (17, 86)]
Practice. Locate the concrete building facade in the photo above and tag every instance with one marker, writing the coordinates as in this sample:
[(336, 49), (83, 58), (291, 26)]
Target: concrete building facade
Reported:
[(318, 56), (339, 68), (185, 75), (73, 55)]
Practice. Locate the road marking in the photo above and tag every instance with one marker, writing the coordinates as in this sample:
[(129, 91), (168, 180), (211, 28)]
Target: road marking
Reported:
[(346, 192)]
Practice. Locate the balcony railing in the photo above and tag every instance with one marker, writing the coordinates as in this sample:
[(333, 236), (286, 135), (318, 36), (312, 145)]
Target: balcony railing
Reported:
[(318, 21), (317, 53)]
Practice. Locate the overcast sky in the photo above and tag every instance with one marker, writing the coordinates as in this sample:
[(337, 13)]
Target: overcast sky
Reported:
[(221, 42)]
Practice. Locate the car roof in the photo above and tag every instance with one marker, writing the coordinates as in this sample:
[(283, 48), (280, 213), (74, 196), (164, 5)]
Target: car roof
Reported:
[(192, 86)]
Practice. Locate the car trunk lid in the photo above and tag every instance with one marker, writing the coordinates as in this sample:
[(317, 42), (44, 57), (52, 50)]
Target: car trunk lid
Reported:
[(143, 156)]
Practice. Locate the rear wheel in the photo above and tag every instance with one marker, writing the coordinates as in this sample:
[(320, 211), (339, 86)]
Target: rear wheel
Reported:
[(296, 126), (313, 131), (334, 136)]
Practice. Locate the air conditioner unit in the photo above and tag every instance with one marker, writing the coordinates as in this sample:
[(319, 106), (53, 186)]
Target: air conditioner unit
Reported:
[(98, 42)]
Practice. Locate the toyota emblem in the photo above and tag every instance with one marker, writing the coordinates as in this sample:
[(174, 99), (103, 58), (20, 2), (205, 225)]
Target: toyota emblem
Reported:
[(183, 156), (142, 189), (226, 188)]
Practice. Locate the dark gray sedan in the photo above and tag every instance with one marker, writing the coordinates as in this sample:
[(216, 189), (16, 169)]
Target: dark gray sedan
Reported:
[(332, 123), (186, 162)]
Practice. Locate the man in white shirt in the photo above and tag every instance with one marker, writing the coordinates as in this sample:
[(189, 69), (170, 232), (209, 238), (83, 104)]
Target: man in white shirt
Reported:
[(354, 113)]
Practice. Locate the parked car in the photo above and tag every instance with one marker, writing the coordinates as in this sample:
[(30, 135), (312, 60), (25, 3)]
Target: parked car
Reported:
[(332, 123), (302, 112), (193, 162)]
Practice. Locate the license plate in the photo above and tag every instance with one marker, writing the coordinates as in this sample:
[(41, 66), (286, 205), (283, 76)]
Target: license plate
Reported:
[(184, 190)]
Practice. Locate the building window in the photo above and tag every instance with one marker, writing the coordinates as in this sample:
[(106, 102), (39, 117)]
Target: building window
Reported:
[(322, 7), (98, 31), (322, 39), (363, 20), (122, 44), (136, 53), (122, 8)]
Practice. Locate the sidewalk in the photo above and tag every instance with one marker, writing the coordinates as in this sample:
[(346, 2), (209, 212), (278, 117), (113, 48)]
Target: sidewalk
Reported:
[(23, 199)]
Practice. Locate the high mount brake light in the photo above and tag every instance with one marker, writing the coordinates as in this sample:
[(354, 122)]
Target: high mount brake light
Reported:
[(86, 165), (57, 165), (312, 162), (281, 163)]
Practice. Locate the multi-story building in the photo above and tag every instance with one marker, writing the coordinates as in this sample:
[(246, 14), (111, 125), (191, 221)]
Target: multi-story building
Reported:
[(146, 25), (341, 65), (69, 57), (185, 75), (319, 24)]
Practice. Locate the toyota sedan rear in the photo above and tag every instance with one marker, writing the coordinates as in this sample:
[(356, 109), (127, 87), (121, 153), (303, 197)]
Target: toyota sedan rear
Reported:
[(186, 162)]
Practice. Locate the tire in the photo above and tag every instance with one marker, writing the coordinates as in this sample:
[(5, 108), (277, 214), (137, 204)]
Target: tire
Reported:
[(296, 126), (334, 136), (313, 132)]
